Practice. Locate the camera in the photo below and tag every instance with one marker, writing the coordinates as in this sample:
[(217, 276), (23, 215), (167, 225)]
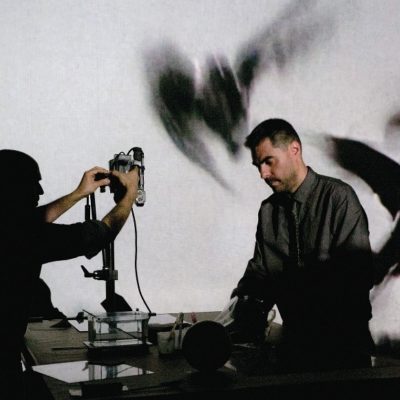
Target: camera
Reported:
[(124, 163)]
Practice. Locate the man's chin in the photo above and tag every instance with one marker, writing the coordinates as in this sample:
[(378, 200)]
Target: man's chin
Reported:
[(276, 186)]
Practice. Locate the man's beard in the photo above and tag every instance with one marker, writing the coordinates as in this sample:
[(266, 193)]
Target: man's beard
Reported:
[(284, 185)]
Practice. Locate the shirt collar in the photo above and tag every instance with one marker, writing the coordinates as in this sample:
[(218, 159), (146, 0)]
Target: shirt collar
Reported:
[(306, 187)]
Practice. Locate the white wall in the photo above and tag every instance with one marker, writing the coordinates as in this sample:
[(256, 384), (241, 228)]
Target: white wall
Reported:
[(73, 91)]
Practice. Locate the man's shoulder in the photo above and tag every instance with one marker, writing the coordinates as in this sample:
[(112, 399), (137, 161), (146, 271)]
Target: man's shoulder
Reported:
[(340, 193), (323, 186), (333, 185)]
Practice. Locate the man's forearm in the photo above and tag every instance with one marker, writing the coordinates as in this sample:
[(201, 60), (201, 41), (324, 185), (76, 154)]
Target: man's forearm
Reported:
[(58, 207), (88, 184), (117, 217)]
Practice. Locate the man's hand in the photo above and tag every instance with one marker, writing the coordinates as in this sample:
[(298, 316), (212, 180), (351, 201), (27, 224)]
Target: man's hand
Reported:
[(89, 183), (125, 187), (87, 186), (125, 184)]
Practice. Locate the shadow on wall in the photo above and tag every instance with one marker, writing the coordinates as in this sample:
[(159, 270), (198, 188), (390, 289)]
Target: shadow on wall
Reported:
[(382, 174), (189, 97)]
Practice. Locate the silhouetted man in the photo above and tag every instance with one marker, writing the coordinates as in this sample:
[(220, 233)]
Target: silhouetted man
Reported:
[(29, 238), (312, 257)]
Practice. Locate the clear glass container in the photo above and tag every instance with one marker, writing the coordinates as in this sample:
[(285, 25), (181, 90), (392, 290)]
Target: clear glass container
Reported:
[(116, 329)]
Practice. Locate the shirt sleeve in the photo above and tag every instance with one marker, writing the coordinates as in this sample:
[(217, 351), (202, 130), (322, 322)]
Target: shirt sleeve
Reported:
[(351, 233), (61, 242), (351, 255), (256, 281)]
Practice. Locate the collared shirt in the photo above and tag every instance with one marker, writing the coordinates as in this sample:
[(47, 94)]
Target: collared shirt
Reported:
[(328, 286)]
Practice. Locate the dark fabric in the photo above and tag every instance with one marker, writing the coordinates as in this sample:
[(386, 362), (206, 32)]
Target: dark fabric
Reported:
[(295, 258), (25, 244), (323, 297), (41, 305)]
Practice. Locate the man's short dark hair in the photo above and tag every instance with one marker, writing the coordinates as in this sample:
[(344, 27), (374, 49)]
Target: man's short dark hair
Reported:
[(278, 131)]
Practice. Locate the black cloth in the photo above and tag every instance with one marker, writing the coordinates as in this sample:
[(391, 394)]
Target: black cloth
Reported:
[(322, 288), (27, 243), (41, 305)]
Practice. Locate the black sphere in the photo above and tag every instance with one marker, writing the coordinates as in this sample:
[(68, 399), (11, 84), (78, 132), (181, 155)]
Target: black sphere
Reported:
[(206, 346)]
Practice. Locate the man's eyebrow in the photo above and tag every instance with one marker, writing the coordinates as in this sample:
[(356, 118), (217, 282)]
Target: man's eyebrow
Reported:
[(256, 163)]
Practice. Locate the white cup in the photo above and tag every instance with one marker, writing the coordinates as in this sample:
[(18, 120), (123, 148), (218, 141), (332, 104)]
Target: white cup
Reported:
[(165, 343)]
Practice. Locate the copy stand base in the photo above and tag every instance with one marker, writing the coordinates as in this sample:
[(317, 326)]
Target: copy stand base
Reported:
[(115, 302)]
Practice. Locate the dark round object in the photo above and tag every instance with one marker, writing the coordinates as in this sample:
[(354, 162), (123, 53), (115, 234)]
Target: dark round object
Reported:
[(206, 346)]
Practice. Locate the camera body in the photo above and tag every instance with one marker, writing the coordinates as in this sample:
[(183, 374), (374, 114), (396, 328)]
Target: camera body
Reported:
[(124, 163)]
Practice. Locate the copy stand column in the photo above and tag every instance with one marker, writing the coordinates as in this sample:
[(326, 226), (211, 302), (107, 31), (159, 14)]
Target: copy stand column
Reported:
[(113, 301)]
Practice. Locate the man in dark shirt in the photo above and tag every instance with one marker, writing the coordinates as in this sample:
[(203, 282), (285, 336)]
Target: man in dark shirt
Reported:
[(312, 256), (29, 238)]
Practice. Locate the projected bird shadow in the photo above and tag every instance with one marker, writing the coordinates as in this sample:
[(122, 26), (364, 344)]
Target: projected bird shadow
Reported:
[(185, 108), (393, 123), (194, 101), (382, 174)]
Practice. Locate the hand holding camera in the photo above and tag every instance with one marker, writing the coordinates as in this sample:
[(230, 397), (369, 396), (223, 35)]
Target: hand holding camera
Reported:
[(120, 177), (91, 180), (123, 183)]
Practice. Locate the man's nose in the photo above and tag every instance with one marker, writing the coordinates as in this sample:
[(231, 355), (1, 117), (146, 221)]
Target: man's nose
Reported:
[(265, 171)]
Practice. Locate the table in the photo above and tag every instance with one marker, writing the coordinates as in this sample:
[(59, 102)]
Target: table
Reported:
[(246, 375)]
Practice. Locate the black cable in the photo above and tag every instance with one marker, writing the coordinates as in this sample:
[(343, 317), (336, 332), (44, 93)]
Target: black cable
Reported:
[(136, 269)]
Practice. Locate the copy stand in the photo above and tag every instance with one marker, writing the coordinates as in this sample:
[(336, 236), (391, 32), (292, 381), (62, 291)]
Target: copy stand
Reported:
[(113, 301), (119, 328)]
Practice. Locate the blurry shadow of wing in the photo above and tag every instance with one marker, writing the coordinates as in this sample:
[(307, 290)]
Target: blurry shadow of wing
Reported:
[(221, 104), (394, 122), (388, 258), (174, 94), (175, 105), (173, 91), (381, 173), (297, 29), (392, 132)]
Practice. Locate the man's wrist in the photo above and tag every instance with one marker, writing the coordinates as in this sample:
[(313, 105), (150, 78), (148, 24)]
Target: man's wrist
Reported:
[(77, 195), (129, 197)]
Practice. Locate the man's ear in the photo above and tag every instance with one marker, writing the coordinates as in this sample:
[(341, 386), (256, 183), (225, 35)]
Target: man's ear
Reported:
[(295, 147)]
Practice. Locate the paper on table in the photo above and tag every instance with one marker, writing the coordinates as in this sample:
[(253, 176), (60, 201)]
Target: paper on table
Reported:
[(80, 371), (81, 326), (160, 320)]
